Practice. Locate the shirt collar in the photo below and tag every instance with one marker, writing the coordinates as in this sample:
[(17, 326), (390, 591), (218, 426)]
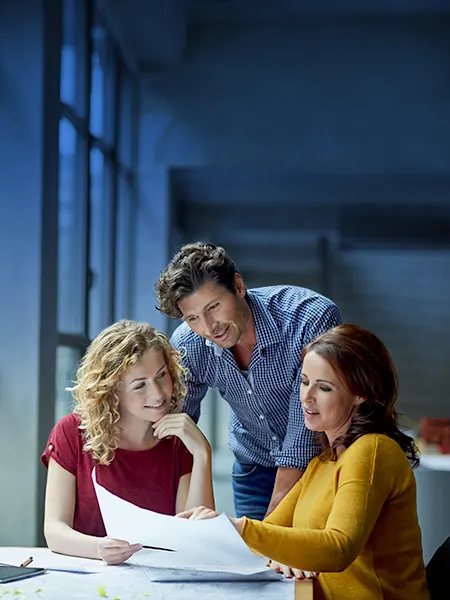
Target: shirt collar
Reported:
[(267, 332), (217, 349)]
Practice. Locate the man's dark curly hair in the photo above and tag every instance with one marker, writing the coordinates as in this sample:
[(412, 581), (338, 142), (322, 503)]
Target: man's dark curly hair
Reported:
[(193, 266)]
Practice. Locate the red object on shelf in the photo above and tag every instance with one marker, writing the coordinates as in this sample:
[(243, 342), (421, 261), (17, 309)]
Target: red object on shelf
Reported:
[(437, 431)]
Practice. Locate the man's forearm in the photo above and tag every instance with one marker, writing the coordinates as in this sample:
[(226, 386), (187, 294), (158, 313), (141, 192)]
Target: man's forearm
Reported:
[(285, 480)]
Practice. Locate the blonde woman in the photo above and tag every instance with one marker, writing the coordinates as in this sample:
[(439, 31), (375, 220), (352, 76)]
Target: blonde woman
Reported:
[(126, 422)]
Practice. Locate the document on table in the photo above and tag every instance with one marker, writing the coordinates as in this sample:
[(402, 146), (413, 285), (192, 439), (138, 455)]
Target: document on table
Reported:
[(172, 573), (45, 558), (209, 546)]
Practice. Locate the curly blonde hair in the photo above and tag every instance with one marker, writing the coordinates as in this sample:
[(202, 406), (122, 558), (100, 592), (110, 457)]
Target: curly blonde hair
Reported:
[(107, 359)]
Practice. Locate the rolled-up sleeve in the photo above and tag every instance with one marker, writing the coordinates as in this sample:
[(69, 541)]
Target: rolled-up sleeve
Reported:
[(299, 446), (194, 397), (63, 444), (196, 389)]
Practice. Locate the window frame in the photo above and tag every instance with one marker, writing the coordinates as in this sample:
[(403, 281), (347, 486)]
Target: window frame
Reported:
[(115, 170)]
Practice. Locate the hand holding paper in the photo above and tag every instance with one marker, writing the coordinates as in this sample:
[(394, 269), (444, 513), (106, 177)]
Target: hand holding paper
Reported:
[(201, 512), (206, 544), (115, 552)]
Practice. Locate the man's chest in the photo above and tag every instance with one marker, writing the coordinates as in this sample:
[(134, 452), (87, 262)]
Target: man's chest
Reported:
[(243, 356), (267, 372)]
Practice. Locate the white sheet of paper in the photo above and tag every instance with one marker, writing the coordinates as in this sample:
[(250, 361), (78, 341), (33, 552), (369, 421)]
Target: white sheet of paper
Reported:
[(212, 544)]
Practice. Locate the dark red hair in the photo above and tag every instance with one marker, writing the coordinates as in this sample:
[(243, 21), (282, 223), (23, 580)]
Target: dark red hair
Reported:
[(363, 364)]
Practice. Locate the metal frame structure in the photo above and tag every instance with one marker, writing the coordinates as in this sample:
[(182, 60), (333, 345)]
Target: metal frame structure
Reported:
[(80, 119)]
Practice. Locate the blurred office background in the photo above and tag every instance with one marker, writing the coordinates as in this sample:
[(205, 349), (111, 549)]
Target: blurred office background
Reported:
[(310, 138)]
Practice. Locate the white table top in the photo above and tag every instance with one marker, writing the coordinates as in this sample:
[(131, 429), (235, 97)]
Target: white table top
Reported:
[(437, 462), (128, 583)]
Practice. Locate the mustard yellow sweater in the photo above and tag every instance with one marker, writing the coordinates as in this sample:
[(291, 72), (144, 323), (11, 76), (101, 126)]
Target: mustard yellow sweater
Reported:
[(354, 521)]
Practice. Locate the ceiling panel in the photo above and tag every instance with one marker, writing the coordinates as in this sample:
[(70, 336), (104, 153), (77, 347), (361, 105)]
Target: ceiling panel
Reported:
[(155, 31), (266, 185), (277, 208), (269, 10)]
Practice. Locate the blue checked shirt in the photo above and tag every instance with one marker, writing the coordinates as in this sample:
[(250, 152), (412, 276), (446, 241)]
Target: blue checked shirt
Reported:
[(266, 421)]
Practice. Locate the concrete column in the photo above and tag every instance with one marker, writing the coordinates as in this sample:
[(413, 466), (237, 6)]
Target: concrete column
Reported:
[(29, 113)]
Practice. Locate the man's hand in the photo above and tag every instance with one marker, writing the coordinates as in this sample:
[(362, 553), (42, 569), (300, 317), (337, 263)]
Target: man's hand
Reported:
[(181, 425), (115, 552), (288, 572)]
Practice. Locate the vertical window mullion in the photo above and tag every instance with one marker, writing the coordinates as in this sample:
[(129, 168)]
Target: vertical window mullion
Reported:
[(115, 185), (73, 275), (82, 186), (87, 186), (135, 128)]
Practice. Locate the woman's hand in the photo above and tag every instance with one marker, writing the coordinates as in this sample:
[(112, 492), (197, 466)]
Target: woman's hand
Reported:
[(115, 552), (288, 572), (201, 512), (198, 514), (181, 425)]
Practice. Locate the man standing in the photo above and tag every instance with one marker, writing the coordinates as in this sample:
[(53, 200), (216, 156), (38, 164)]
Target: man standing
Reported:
[(247, 344)]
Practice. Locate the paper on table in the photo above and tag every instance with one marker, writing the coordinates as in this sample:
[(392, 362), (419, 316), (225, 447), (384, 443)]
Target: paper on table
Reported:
[(171, 563), (212, 543), (45, 558), (188, 574)]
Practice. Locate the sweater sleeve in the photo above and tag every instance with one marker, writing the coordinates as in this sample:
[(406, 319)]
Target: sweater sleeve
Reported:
[(365, 483)]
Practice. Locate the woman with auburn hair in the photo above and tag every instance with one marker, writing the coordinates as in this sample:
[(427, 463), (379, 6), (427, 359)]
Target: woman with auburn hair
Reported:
[(126, 422), (352, 517)]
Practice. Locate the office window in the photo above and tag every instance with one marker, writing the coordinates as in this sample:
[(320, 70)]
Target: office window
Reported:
[(74, 55), (128, 107), (103, 86), (66, 368), (123, 249), (72, 232), (101, 241), (97, 199)]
